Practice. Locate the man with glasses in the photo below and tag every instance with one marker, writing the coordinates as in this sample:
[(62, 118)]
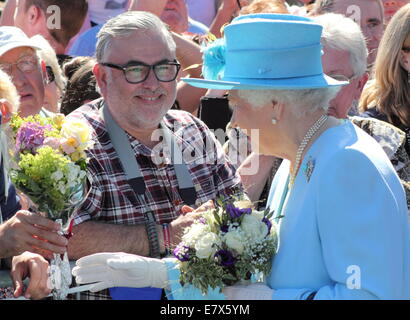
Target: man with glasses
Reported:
[(19, 59), (144, 214)]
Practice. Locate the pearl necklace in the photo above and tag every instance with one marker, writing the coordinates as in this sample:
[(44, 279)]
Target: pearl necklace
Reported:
[(309, 135)]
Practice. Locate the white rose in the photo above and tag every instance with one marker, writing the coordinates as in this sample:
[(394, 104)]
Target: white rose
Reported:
[(254, 227), (206, 245), (196, 231), (234, 240)]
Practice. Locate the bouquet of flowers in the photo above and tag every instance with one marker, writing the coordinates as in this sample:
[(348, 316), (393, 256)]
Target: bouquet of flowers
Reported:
[(228, 244), (48, 164), (48, 161)]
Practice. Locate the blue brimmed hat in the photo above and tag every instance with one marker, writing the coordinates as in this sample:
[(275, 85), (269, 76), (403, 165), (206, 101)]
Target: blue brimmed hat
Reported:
[(265, 51)]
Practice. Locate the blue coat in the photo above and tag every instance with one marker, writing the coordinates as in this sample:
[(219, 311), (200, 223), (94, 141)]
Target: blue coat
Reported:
[(345, 231)]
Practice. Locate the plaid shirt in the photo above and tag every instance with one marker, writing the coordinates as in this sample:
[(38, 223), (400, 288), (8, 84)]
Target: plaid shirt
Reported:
[(110, 193)]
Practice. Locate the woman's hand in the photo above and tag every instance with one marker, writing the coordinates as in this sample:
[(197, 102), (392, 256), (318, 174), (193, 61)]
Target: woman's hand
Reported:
[(120, 269)]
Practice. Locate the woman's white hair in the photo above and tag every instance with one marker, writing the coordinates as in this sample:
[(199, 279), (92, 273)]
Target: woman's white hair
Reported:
[(342, 33), (126, 24), (300, 102), (48, 55)]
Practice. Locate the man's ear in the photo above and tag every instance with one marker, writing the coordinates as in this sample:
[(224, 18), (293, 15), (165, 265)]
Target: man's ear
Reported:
[(100, 77), (34, 14), (360, 85), (6, 110)]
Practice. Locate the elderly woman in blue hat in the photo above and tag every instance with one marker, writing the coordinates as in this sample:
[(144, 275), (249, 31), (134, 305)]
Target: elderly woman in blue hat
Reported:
[(344, 231)]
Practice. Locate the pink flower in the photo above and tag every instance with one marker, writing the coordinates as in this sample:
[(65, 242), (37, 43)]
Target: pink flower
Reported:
[(69, 145), (52, 142)]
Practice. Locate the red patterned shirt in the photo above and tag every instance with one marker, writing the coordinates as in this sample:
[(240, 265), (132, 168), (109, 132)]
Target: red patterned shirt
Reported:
[(110, 195)]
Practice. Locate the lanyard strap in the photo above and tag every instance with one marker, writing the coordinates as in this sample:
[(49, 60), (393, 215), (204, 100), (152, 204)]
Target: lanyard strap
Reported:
[(131, 167)]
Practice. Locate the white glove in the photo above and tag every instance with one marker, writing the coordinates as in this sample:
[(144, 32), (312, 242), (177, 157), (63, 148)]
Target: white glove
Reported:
[(254, 291), (120, 270)]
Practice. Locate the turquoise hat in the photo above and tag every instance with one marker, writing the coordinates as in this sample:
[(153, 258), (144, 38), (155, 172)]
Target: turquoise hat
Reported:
[(265, 51)]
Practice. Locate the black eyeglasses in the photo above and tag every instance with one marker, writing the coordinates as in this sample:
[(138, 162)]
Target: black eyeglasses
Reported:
[(50, 74), (136, 72)]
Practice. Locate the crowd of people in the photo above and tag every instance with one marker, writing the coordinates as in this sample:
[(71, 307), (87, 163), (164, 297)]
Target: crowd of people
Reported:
[(325, 83)]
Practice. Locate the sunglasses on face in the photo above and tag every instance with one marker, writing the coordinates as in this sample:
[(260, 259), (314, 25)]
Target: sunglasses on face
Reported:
[(136, 72)]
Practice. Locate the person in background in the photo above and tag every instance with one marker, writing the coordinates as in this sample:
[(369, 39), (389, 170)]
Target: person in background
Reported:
[(369, 14), (265, 6), (56, 20), (81, 86), (391, 7), (19, 59), (227, 10), (25, 236), (55, 80), (387, 97)]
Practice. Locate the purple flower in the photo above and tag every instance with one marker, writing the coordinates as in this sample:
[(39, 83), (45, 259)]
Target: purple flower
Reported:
[(202, 220), (30, 136), (181, 252), (226, 258), (236, 212), (268, 223), (224, 228)]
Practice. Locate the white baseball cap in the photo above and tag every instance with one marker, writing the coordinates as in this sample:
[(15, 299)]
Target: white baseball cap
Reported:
[(13, 37)]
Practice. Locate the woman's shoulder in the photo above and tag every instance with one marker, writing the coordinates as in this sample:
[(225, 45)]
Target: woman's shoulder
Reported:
[(374, 113)]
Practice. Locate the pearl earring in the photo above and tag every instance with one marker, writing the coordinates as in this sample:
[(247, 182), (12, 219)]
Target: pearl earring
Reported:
[(274, 121)]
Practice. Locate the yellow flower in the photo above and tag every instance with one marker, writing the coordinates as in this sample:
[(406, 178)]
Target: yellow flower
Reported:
[(58, 119), (243, 204), (77, 155)]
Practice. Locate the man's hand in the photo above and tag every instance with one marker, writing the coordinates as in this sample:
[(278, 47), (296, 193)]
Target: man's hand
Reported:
[(232, 5), (34, 266), (28, 231), (187, 217)]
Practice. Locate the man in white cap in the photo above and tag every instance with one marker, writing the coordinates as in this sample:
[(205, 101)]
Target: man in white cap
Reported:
[(18, 58), (22, 232)]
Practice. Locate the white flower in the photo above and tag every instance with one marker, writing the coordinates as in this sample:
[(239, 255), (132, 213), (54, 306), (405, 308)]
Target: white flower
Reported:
[(258, 214), (234, 240), (196, 231), (254, 228), (206, 245), (73, 172), (62, 187), (57, 175)]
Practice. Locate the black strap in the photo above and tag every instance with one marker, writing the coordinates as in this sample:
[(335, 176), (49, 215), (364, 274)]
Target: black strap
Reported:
[(131, 167)]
